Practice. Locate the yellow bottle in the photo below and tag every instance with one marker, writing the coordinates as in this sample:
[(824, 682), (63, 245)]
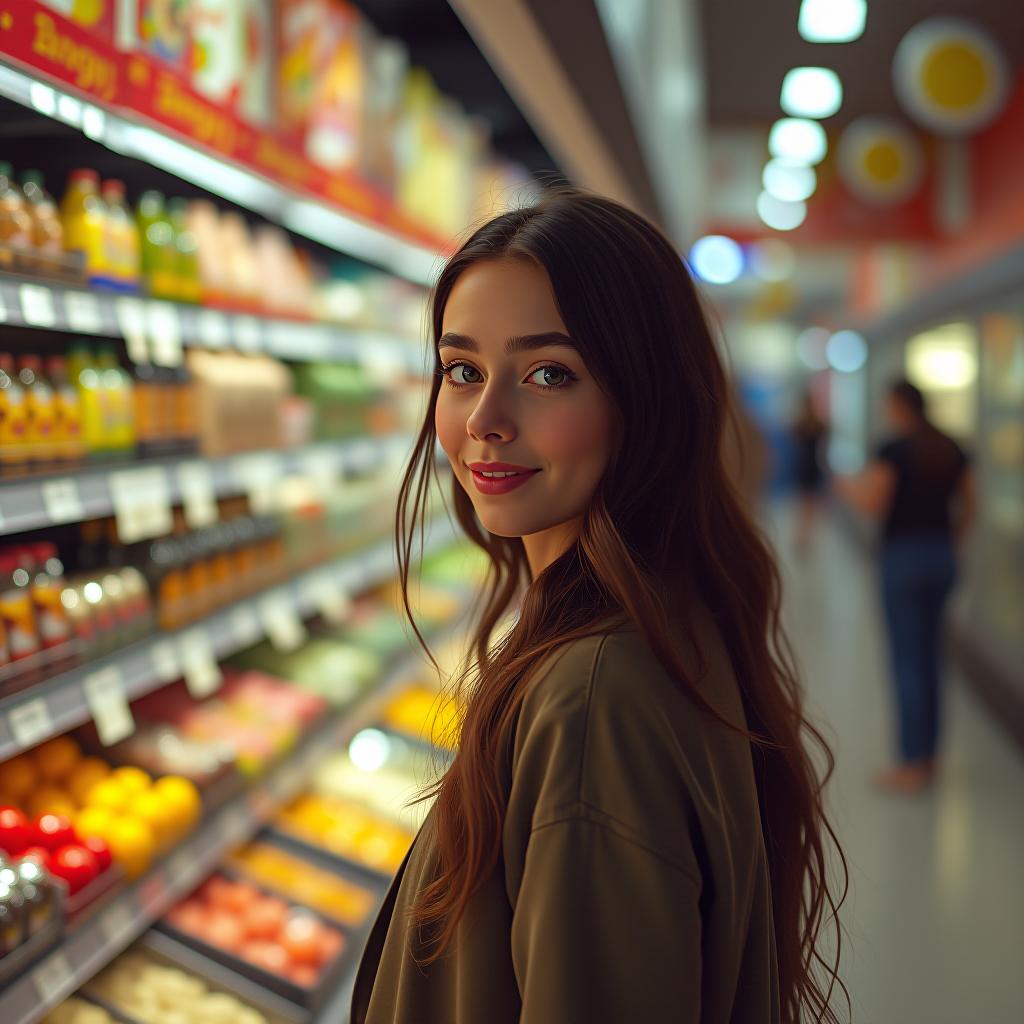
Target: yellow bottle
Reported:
[(85, 377), (69, 411), (42, 410), (120, 401), (84, 219), (13, 419), (122, 234)]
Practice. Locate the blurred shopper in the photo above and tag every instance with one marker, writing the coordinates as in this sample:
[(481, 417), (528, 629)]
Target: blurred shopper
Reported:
[(809, 433), (921, 488), (632, 828)]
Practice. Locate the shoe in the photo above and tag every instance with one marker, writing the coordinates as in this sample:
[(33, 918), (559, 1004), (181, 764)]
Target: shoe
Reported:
[(906, 779)]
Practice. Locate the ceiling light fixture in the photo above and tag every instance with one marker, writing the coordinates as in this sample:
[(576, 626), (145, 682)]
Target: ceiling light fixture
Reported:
[(779, 214), (789, 181), (832, 21), (798, 140), (716, 259), (811, 92)]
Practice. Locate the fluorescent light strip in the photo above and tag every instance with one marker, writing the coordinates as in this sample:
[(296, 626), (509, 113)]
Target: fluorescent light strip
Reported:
[(317, 221)]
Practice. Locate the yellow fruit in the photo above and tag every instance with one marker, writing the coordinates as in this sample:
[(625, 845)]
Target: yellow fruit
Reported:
[(134, 780), (151, 808), (86, 774), (93, 821), (107, 793), (55, 759), (181, 801), (18, 777), (131, 843), (50, 800)]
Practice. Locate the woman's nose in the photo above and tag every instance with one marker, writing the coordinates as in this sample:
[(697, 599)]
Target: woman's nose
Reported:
[(491, 417)]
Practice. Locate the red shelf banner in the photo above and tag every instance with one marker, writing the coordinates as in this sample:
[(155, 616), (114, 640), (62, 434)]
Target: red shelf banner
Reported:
[(135, 83)]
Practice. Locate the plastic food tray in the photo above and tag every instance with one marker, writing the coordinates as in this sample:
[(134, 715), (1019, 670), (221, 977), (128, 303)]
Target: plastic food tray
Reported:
[(308, 998)]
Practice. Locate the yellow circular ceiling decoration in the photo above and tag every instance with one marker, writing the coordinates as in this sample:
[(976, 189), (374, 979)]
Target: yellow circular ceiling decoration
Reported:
[(950, 75), (880, 160)]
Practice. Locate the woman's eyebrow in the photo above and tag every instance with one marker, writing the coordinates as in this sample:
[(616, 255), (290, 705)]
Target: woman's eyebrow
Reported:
[(517, 343)]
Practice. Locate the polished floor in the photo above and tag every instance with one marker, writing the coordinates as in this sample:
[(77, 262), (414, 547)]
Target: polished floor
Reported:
[(933, 928)]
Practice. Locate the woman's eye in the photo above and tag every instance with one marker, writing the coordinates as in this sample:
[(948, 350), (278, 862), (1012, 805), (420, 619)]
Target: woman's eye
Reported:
[(551, 376), (468, 369)]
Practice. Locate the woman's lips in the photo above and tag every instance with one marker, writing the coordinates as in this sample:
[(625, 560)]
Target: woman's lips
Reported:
[(501, 485)]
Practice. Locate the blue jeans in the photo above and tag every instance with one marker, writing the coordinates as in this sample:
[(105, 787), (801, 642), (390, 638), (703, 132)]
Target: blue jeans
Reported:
[(918, 572)]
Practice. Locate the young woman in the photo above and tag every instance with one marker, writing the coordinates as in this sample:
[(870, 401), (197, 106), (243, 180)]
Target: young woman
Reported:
[(631, 829), (921, 488)]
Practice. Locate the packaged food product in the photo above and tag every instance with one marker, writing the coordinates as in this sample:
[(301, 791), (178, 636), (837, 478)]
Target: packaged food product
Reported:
[(15, 224), (47, 230), (84, 375), (118, 402), (158, 249), (121, 239), (69, 444), (188, 287), (41, 407), (84, 218), (13, 419), (47, 586), (16, 608)]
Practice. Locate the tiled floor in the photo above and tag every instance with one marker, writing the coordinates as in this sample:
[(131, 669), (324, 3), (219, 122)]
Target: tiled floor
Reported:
[(934, 924)]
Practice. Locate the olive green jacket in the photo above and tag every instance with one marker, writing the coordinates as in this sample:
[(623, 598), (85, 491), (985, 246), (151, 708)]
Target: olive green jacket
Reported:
[(633, 884)]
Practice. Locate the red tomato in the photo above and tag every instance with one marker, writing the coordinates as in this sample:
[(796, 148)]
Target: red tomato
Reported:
[(76, 865), (53, 831), (15, 832), (266, 955), (40, 853), (99, 850), (223, 930), (265, 918), (189, 916), (212, 891), (331, 944), (237, 897), (303, 975), (301, 937)]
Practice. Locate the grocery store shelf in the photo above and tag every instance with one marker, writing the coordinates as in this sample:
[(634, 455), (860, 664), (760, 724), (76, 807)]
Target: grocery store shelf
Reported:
[(29, 302), (89, 948), (32, 503), (101, 687), (330, 226)]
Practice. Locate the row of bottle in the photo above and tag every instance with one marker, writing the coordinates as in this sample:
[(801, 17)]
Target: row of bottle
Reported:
[(31, 899), (114, 248), (56, 413)]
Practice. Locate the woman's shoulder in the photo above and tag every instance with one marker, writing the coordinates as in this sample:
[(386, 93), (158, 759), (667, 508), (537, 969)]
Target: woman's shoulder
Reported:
[(606, 732)]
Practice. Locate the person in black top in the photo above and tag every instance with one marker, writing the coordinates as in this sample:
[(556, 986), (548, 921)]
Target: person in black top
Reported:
[(809, 436), (920, 486)]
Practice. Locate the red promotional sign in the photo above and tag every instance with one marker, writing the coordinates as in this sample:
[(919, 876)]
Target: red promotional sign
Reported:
[(40, 38)]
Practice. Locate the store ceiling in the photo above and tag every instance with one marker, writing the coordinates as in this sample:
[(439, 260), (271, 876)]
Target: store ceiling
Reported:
[(749, 46)]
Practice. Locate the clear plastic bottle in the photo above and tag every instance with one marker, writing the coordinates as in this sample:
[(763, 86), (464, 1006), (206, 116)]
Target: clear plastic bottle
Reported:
[(122, 238), (15, 224), (47, 230)]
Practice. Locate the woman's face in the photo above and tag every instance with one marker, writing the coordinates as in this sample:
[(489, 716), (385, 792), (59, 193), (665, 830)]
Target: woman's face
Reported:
[(494, 407)]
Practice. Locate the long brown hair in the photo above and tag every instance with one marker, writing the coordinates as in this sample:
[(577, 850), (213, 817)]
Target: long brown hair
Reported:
[(664, 506)]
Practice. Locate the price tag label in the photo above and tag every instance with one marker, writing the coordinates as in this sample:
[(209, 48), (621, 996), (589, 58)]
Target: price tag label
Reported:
[(53, 978), (62, 502), (212, 328), (326, 594), (37, 307), (165, 333), (142, 504), (30, 723), (165, 661), (202, 673), (248, 336), (282, 623), (118, 923), (105, 695), (83, 312), (245, 625), (197, 494), (131, 319)]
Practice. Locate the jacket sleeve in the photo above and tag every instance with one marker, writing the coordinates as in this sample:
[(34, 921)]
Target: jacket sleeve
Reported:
[(605, 930)]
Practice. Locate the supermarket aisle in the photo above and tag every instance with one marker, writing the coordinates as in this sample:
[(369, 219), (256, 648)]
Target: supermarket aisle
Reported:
[(934, 922)]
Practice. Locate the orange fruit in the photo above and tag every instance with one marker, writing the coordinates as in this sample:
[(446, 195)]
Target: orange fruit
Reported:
[(134, 780), (87, 773), (18, 777), (108, 793), (55, 759), (182, 802), (93, 821), (50, 800), (151, 808), (131, 843)]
